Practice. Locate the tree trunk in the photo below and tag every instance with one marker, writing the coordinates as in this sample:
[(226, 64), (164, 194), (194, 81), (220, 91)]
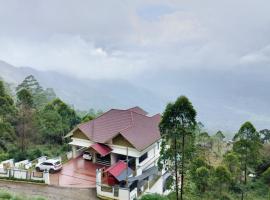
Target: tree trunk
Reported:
[(182, 162), (176, 168)]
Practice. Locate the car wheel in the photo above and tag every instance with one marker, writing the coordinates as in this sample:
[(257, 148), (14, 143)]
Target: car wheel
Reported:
[(38, 169), (51, 171)]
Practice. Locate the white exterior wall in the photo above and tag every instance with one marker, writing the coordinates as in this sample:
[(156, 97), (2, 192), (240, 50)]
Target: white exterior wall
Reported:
[(153, 155), (157, 187)]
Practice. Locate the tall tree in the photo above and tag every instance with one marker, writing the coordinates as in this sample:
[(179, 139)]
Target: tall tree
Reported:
[(7, 115), (177, 130), (247, 145), (40, 96), (231, 161), (265, 134), (222, 178), (219, 137), (55, 120), (25, 105)]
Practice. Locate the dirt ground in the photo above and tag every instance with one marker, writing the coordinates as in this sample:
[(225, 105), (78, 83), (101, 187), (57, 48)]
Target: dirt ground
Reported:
[(49, 192)]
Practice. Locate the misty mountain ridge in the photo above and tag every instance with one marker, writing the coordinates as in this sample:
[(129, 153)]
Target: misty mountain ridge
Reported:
[(84, 94), (222, 99)]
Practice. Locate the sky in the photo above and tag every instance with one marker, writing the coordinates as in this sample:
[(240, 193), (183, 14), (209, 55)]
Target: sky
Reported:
[(215, 52)]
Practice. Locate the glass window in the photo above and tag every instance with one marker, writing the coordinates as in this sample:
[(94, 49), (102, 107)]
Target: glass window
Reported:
[(143, 157)]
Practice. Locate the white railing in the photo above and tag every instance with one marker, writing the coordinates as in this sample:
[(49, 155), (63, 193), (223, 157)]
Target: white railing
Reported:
[(24, 175)]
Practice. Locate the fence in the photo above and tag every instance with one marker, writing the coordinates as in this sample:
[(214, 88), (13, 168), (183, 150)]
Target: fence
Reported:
[(25, 175)]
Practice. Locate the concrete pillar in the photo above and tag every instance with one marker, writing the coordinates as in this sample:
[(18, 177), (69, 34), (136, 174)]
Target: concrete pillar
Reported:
[(113, 158), (94, 157), (138, 168), (46, 176), (74, 152)]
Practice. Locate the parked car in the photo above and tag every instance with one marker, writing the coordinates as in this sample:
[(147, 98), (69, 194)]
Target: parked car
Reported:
[(87, 155), (51, 165)]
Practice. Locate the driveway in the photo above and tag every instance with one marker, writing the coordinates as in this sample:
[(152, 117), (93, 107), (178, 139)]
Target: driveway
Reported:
[(78, 173)]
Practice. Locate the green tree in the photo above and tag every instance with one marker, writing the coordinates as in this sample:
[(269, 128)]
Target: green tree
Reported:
[(177, 130), (247, 145), (265, 134), (25, 117), (222, 178), (202, 178), (219, 137), (40, 96), (266, 176), (231, 161), (55, 120), (153, 197), (7, 118), (205, 144)]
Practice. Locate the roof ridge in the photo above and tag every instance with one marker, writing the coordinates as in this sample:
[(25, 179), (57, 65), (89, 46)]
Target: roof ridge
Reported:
[(144, 115), (132, 119)]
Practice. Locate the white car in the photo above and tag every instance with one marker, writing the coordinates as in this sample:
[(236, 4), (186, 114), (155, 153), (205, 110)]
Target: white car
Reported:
[(87, 155), (50, 165)]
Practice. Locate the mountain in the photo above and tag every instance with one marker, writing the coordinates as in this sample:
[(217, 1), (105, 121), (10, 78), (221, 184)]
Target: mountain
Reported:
[(84, 94)]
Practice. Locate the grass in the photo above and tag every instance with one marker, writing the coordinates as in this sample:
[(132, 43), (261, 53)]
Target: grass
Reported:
[(5, 195)]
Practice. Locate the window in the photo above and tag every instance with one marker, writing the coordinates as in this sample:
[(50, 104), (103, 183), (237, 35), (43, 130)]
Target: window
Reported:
[(143, 157), (47, 163)]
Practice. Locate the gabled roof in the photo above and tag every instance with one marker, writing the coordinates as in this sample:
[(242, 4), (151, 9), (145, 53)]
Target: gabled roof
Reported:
[(133, 124), (119, 170), (102, 149)]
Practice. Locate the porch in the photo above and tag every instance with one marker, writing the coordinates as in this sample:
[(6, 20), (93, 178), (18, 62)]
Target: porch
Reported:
[(77, 173)]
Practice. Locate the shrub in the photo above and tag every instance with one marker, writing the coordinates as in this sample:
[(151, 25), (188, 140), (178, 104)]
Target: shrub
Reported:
[(153, 197), (4, 156), (34, 153), (266, 176), (5, 195)]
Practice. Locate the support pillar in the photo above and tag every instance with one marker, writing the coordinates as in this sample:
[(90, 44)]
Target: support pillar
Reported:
[(74, 151)]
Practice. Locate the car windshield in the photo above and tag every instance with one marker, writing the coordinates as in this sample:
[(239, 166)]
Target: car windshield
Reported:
[(57, 163), (86, 153)]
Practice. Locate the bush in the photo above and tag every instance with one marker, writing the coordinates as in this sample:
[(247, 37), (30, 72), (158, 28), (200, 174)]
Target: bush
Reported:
[(34, 153), (266, 176), (153, 197), (5, 195), (4, 156)]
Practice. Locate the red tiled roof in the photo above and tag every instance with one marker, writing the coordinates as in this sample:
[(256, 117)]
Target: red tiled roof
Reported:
[(117, 168), (102, 149), (133, 124)]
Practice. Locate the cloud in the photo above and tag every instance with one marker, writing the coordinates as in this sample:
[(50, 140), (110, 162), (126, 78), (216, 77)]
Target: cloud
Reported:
[(171, 47), (72, 55), (261, 56)]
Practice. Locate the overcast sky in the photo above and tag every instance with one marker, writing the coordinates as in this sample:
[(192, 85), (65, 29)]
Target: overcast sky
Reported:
[(216, 52)]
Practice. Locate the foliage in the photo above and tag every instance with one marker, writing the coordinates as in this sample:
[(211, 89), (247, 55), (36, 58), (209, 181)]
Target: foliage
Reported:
[(222, 178), (5, 195), (7, 113), (177, 129), (55, 120), (247, 145), (266, 176), (231, 161), (202, 178), (25, 117), (36, 120), (265, 135), (40, 96), (219, 137), (153, 197)]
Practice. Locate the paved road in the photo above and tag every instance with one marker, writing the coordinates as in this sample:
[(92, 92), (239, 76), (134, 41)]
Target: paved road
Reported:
[(49, 192)]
